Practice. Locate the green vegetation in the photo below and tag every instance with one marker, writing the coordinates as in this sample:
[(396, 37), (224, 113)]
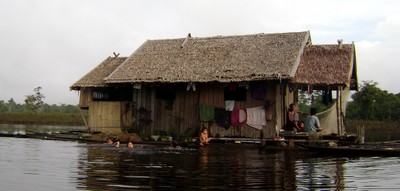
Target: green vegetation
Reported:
[(315, 100), (34, 102), (370, 103), (36, 111), (351, 125), (373, 104), (375, 109), (41, 118)]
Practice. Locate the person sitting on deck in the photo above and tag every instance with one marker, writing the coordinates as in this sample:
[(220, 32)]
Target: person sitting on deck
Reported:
[(291, 123), (204, 136), (312, 124), (300, 125)]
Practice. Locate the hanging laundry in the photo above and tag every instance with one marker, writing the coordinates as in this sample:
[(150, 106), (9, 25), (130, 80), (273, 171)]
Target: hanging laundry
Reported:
[(222, 117), (206, 113), (234, 92), (256, 117), (242, 116), (326, 97), (238, 117), (235, 117), (229, 105)]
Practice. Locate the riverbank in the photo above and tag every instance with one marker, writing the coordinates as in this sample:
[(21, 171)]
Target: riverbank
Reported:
[(353, 124), (76, 119), (42, 118), (375, 130)]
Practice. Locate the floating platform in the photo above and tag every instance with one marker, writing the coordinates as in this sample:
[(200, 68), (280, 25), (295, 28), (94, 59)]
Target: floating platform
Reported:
[(370, 149)]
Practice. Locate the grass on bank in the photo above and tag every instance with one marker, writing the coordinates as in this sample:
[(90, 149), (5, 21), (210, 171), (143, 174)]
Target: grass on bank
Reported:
[(351, 125), (42, 118), (76, 119)]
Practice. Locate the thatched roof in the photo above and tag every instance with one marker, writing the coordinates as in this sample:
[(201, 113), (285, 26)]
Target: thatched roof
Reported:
[(220, 59), (328, 65), (95, 78)]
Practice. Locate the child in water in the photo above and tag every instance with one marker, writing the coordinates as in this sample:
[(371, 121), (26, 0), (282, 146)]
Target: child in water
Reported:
[(109, 141), (130, 145), (204, 137)]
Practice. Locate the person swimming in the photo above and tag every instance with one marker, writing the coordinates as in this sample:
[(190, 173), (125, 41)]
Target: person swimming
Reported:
[(130, 145), (115, 142)]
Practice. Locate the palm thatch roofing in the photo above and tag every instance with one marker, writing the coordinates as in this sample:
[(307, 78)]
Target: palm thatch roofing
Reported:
[(95, 78), (328, 66), (214, 59)]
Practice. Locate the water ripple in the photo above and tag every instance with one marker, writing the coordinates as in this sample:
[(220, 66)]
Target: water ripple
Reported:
[(60, 165)]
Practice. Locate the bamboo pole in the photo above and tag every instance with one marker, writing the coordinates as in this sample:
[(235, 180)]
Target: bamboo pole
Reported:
[(337, 111), (361, 134), (341, 117), (84, 120)]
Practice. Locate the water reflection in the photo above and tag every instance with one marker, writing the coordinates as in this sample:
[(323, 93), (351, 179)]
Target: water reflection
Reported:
[(31, 164), (321, 173), (67, 165), (216, 167), (22, 129)]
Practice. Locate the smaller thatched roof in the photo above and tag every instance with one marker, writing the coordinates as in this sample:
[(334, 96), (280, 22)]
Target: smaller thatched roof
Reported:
[(95, 78), (328, 66), (214, 59)]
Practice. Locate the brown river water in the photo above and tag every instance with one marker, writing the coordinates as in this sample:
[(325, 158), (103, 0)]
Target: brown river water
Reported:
[(33, 164)]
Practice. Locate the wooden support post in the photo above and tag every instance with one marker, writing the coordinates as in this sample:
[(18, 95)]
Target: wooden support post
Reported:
[(291, 143), (84, 119), (337, 111), (361, 134)]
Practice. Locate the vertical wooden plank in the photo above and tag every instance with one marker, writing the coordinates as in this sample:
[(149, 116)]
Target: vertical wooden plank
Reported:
[(194, 124), (158, 115), (185, 114), (105, 116)]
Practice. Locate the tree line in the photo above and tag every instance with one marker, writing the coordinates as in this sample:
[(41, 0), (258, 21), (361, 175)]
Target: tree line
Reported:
[(369, 103), (372, 103), (34, 103)]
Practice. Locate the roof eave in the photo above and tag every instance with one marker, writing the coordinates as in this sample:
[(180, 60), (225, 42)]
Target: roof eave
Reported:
[(306, 41)]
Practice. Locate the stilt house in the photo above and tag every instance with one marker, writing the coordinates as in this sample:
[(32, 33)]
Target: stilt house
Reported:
[(237, 86)]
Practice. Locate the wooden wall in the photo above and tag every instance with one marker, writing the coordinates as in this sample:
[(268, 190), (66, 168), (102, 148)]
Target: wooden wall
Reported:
[(214, 96), (85, 97), (110, 116), (183, 118)]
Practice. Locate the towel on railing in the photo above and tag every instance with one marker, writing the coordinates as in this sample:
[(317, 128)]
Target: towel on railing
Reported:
[(256, 117), (238, 117)]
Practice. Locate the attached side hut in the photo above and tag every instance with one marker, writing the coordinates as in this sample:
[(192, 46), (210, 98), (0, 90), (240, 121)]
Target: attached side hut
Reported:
[(332, 69), (109, 106)]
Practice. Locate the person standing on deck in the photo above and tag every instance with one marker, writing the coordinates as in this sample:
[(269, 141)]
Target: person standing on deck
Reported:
[(312, 124)]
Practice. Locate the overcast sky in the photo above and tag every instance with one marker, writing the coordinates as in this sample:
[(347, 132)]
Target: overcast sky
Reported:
[(53, 43)]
